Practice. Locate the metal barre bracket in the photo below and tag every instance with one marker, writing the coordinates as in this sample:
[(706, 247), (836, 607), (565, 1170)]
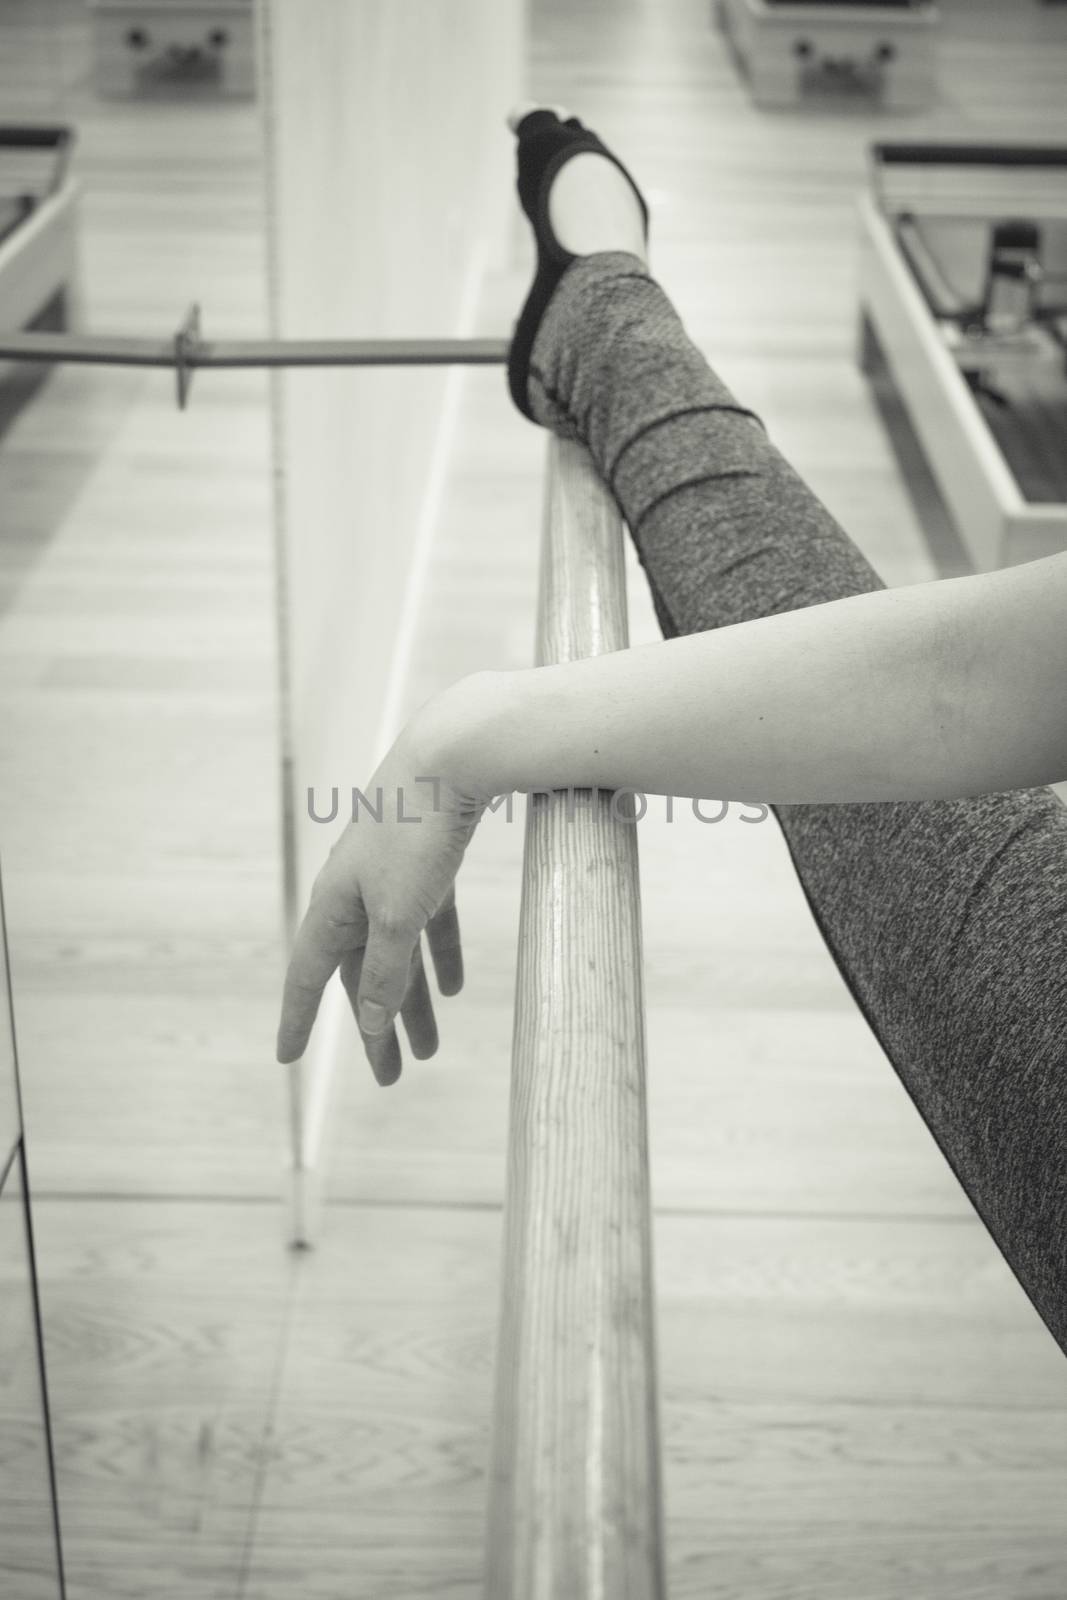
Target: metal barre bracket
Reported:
[(187, 345), (187, 351)]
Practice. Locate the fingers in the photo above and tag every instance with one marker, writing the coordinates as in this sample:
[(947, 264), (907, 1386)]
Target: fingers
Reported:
[(417, 1011), (377, 979), (383, 977), (442, 934), (316, 952), (383, 1049)]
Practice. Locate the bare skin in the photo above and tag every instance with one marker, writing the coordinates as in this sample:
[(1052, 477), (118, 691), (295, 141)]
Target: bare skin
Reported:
[(934, 691)]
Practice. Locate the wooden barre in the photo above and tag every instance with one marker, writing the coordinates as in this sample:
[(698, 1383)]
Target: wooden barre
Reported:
[(574, 1498)]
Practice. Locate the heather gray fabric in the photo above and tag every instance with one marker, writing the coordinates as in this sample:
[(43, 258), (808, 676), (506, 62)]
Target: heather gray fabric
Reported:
[(948, 920)]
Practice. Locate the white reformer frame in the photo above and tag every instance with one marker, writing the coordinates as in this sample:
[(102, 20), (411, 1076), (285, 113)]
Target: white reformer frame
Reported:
[(996, 524), (39, 260)]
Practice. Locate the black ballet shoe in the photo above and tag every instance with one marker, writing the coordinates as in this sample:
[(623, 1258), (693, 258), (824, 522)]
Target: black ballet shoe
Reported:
[(544, 143)]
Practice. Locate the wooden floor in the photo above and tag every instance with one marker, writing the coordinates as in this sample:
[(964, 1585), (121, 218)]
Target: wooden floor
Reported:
[(858, 1402)]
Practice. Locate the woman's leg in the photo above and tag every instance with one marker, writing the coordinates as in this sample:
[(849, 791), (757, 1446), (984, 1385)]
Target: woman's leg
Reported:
[(948, 920)]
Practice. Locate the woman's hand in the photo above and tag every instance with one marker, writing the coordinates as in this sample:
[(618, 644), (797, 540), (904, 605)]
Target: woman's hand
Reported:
[(384, 882)]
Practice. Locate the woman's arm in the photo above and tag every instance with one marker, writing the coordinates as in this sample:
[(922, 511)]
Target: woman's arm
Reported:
[(934, 691), (931, 692)]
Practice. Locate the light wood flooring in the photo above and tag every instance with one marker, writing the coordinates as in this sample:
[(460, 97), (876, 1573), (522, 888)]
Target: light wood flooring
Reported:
[(858, 1403)]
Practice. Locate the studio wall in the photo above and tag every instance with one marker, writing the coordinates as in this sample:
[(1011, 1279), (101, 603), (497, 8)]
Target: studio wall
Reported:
[(388, 190)]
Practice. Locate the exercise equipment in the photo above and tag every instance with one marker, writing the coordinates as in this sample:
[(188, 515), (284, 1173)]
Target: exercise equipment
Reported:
[(877, 52), (38, 227), (574, 1499), (963, 308), (144, 47)]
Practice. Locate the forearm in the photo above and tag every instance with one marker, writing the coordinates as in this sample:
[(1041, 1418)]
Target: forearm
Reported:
[(899, 694)]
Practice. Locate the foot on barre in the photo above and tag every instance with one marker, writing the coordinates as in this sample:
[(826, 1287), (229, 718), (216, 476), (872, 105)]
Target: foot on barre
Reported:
[(580, 200)]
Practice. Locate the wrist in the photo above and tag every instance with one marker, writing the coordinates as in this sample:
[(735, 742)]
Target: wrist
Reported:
[(460, 734)]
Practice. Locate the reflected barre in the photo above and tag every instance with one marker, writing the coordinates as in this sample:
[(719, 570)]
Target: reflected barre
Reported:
[(120, 351), (186, 352), (574, 1498)]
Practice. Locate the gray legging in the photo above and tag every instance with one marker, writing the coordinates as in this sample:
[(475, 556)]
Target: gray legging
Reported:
[(947, 919)]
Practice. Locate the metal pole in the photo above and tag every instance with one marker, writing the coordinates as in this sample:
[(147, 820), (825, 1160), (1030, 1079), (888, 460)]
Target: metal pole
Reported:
[(118, 351)]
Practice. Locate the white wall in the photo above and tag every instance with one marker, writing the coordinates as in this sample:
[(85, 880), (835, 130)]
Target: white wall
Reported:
[(390, 182), (389, 177)]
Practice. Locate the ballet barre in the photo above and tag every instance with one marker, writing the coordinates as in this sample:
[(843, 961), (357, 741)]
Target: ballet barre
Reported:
[(575, 1501), (186, 352)]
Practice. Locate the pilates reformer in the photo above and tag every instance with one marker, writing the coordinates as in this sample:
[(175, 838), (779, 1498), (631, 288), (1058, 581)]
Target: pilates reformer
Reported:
[(38, 227), (818, 52), (963, 309), (160, 47)]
